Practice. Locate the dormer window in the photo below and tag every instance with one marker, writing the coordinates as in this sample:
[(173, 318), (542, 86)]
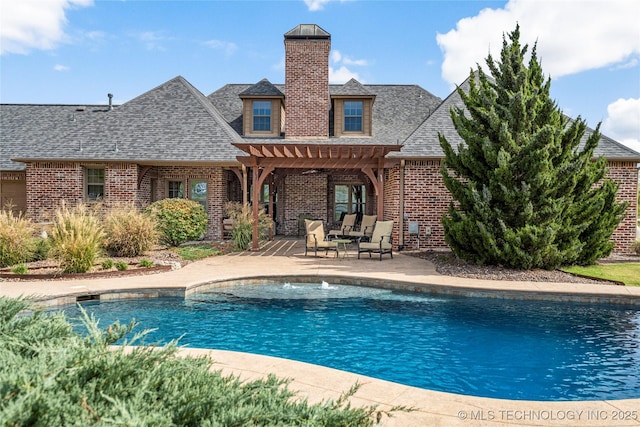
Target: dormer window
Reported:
[(352, 109), (262, 110), (262, 116), (353, 116)]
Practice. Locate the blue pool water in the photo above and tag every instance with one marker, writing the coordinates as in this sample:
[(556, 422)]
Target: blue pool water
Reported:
[(499, 348)]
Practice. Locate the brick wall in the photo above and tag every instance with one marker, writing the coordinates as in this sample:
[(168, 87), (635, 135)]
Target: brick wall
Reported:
[(50, 183), (307, 88), (426, 199), (626, 174), (301, 194)]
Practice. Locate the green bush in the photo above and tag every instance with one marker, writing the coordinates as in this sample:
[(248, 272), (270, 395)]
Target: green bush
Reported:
[(121, 266), (129, 232), (146, 263), (107, 264), (17, 241), (179, 220), (43, 246), (635, 247), (51, 375), (76, 238), (20, 269), (242, 217)]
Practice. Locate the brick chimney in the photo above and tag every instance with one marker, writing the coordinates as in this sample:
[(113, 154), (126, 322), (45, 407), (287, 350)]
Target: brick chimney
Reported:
[(307, 101)]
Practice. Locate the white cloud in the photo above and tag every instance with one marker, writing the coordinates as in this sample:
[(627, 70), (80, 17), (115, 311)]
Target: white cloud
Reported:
[(315, 5), (60, 67), (152, 40), (339, 73), (228, 47), (34, 24), (572, 36), (623, 122), (358, 62), (342, 75)]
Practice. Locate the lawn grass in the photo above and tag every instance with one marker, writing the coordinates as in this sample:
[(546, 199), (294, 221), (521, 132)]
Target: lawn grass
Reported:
[(628, 273), (195, 252)]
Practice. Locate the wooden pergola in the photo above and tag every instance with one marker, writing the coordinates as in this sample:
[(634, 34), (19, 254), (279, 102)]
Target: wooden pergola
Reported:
[(265, 157)]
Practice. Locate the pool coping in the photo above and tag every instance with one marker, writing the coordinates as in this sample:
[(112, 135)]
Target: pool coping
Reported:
[(320, 383)]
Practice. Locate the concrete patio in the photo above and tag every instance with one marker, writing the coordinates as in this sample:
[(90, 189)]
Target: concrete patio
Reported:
[(283, 259)]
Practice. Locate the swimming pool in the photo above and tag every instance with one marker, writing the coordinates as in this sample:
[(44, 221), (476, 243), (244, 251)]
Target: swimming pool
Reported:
[(500, 348)]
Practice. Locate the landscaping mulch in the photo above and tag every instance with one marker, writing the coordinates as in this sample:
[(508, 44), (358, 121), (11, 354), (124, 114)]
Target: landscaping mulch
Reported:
[(446, 263)]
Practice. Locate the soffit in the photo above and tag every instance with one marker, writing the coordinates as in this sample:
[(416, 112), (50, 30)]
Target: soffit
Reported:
[(326, 156)]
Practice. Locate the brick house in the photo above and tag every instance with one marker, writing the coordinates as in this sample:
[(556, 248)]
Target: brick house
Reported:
[(306, 148)]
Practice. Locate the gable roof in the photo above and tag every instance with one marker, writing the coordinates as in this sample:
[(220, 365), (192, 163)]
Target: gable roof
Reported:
[(23, 125), (262, 88), (351, 88), (424, 141), (173, 122)]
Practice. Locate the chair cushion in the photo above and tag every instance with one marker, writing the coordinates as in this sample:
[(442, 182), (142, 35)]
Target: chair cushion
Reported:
[(382, 228), (368, 246), (347, 224), (314, 227), (327, 244)]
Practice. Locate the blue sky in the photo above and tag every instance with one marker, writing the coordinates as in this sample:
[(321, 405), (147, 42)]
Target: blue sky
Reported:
[(77, 51)]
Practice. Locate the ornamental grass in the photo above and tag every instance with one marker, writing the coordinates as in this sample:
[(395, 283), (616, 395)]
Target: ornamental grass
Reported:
[(17, 241), (76, 238)]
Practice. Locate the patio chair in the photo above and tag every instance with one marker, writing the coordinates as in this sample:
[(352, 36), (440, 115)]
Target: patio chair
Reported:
[(315, 238), (380, 240), (227, 228), (366, 228), (348, 222)]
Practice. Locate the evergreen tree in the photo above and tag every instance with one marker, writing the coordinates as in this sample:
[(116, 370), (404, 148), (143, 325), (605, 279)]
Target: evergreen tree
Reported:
[(527, 193)]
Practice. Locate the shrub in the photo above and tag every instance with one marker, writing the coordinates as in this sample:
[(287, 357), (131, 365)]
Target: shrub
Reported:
[(52, 375), (76, 238), (129, 232), (107, 264), (179, 220), (17, 241), (635, 247), (121, 266), (43, 246), (242, 217), (146, 263), (20, 269)]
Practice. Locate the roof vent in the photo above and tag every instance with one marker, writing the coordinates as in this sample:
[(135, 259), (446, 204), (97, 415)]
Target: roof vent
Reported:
[(81, 108), (110, 95)]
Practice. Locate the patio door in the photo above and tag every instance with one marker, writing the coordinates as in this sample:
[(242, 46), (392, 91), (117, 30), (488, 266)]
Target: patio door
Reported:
[(349, 199)]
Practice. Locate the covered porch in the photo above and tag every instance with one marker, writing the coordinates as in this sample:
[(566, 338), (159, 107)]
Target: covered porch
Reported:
[(272, 164)]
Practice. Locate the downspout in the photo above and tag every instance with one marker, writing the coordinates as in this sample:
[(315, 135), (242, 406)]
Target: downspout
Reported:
[(401, 208)]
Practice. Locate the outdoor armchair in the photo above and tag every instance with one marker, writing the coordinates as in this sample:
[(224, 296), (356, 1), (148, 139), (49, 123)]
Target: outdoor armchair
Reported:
[(348, 222), (315, 238), (366, 228), (380, 240)]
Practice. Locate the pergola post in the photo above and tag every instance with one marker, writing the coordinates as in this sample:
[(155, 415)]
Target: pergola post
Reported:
[(258, 180), (380, 207)]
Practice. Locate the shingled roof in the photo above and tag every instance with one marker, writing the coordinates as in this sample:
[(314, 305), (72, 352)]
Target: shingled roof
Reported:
[(175, 123), (397, 111), (24, 125), (171, 123), (424, 142)]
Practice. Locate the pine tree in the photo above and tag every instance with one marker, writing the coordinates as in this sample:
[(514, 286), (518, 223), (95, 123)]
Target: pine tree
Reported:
[(527, 193)]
